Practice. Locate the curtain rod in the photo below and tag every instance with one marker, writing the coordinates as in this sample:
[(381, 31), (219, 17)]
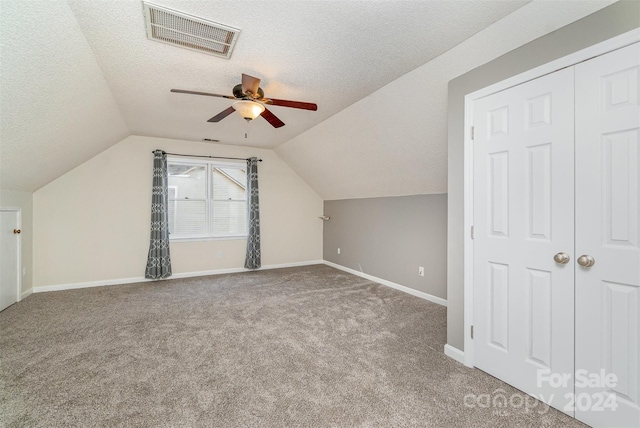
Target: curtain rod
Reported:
[(204, 156)]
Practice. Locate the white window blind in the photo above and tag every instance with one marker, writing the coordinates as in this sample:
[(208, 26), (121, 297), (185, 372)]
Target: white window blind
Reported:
[(207, 199)]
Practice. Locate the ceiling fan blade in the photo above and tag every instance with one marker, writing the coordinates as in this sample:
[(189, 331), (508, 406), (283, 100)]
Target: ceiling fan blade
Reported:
[(272, 118), (182, 91), (250, 84), (293, 104), (224, 113)]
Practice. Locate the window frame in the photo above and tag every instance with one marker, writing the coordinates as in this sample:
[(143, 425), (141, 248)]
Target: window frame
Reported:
[(210, 165)]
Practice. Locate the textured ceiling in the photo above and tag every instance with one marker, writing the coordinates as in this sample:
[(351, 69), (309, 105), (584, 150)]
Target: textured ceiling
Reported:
[(394, 142), (81, 75), (332, 53), (78, 76), (56, 109)]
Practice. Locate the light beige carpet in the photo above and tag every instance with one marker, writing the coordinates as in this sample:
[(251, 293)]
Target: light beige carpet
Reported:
[(300, 347)]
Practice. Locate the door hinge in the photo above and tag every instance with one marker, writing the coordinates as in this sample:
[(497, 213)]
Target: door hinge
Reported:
[(473, 132), (472, 332), (472, 232)]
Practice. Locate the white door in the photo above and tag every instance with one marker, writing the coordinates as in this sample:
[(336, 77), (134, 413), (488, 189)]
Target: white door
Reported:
[(523, 216), (607, 229), (9, 258)]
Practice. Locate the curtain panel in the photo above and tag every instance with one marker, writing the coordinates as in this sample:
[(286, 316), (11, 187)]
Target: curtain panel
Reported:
[(252, 260), (159, 259)]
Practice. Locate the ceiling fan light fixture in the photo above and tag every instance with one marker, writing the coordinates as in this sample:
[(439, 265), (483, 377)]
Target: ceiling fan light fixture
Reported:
[(249, 110)]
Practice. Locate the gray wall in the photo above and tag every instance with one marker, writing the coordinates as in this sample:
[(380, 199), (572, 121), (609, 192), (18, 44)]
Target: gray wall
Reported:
[(602, 25), (390, 237)]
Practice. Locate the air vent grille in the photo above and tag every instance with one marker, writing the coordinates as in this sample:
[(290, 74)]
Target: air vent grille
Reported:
[(189, 32)]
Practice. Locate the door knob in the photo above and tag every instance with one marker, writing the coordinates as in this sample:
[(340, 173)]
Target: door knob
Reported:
[(586, 261), (562, 258), (17, 231)]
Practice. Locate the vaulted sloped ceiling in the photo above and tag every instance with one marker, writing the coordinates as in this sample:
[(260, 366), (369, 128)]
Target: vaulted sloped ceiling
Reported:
[(56, 108), (394, 141), (331, 53), (78, 76)]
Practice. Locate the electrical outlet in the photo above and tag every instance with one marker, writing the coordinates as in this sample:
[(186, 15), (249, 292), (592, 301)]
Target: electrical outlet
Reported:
[(338, 250), (420, 270)]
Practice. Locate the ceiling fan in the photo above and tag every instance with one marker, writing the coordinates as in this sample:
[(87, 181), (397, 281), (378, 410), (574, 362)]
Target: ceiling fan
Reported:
[(251, 102)]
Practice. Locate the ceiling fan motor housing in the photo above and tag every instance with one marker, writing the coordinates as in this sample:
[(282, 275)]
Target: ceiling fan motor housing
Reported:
[(237, 92)]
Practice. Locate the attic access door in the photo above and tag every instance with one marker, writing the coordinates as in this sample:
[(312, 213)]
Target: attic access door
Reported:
[(9, 257), (523, 216)]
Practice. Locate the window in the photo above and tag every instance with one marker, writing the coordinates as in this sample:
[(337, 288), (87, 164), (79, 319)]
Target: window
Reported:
[(207, 199)]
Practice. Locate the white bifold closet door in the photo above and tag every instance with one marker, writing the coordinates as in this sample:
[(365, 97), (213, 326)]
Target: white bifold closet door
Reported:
[(523, 216), (530, 272), (607, 229)]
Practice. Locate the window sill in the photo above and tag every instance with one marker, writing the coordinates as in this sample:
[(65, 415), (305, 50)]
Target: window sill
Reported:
[(217, 238)]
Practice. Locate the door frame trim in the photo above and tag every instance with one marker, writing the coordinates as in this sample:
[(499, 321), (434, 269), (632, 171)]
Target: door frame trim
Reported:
[(598, 49), (18, 212)]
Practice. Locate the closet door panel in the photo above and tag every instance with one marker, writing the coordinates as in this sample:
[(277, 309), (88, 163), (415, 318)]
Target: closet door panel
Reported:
[(523, 216), (607, 230)]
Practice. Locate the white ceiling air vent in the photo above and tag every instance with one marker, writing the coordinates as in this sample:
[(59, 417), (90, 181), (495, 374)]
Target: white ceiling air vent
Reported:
[(189, 32)]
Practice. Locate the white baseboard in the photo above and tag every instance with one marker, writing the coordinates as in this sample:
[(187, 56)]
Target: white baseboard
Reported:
[(454, 353), (89, 284), (238, 270), (26, 294), (119, 281), (421, 294)]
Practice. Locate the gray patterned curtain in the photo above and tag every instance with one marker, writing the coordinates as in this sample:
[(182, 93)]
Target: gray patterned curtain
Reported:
[(252, 260), (159, 260)]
